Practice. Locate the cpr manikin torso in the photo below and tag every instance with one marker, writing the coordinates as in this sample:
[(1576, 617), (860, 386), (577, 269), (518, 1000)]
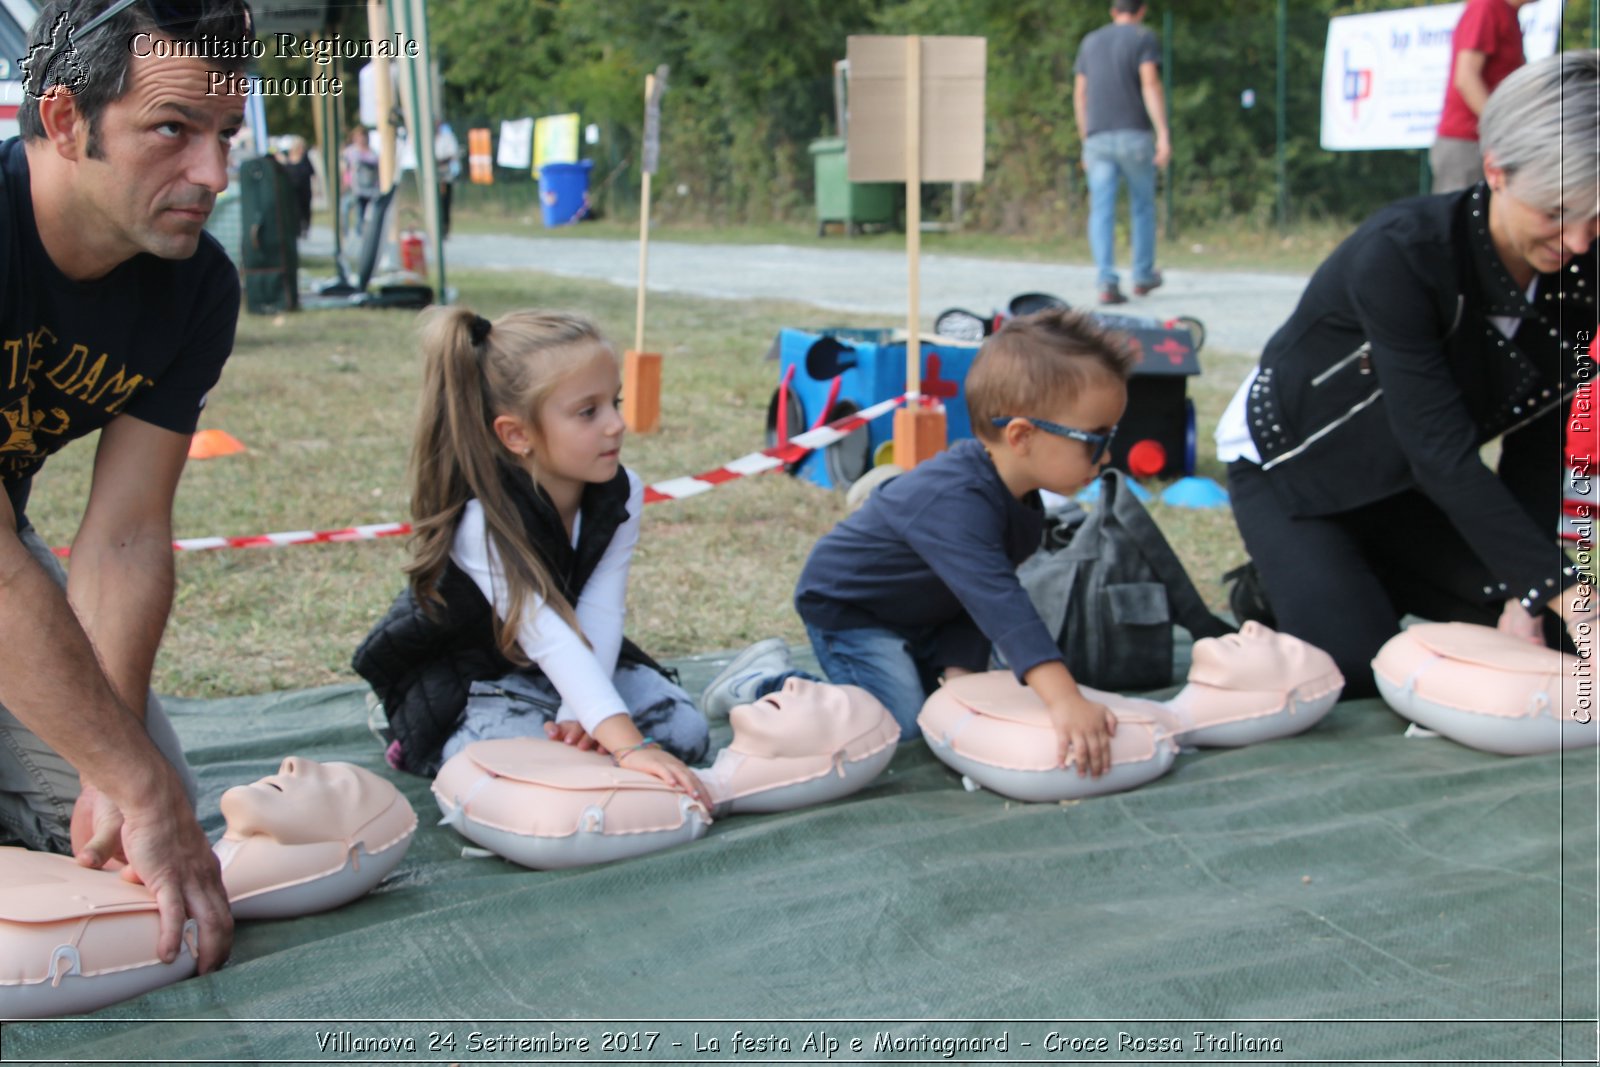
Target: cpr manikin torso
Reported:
[(1252, 686), (311, 837), (547, 805), (1489, 690)]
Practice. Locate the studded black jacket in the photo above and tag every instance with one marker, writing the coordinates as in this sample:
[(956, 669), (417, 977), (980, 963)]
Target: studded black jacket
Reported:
[(1390, 376)]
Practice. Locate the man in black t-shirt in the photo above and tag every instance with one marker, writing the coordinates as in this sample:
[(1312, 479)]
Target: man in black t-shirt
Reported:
[(117, 311)]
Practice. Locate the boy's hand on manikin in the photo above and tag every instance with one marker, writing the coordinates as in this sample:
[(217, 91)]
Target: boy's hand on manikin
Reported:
[(1083, 735)]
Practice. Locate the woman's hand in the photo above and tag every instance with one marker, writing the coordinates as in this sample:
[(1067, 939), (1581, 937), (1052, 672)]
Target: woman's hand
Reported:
[(1515, 620)]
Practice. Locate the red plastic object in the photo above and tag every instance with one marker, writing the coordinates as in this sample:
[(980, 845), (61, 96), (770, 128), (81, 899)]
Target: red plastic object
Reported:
[(413, 254), (783, 406), (1146, 458), (833, 397)]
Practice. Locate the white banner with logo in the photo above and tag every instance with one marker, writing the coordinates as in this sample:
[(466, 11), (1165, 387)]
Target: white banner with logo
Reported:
[(1384, 74)]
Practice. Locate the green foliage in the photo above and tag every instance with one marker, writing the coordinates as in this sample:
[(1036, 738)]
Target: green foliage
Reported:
[(752, 83)]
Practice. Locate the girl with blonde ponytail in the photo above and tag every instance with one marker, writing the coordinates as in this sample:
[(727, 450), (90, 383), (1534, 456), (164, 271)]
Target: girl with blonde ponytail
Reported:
[(524, 524)]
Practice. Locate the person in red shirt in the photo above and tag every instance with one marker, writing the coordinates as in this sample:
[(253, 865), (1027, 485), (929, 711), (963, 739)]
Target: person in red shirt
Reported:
[(1486, 46)]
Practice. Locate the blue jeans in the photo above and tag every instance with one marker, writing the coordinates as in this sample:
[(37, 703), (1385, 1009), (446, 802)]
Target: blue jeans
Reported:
[(898, 670), (1131, 156), (519, 704)]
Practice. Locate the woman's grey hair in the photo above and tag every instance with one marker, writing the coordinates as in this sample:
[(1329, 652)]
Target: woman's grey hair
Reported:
[(95, 69), (1542, 125)]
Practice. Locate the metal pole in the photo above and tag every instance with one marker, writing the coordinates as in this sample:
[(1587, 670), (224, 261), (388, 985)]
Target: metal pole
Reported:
[(419, 29), (1166, 92), (1283, 115)]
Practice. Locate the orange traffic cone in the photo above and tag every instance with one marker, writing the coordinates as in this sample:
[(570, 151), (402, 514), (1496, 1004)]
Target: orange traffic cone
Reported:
[(209, 444)]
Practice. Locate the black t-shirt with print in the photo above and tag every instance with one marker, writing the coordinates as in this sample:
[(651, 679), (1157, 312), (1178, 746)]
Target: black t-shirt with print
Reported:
[(147, 340)]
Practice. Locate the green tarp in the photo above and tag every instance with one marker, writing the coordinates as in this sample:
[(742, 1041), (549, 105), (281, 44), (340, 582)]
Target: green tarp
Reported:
[(1353, 894)]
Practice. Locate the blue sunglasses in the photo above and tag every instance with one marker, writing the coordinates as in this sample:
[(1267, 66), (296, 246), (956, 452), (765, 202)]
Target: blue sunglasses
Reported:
[(1099, 443)]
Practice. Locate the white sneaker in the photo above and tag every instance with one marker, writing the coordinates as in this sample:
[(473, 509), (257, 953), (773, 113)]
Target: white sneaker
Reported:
[(738, 681)]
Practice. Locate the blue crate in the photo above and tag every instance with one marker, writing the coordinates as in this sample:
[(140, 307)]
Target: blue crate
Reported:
[(879, 373)]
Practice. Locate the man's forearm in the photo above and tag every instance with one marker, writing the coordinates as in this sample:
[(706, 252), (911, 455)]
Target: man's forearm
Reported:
[(59, 689), (1155, 105), (121, 591)]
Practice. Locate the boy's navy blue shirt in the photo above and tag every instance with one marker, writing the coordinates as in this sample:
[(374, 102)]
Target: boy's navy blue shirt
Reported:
[(935, 549)]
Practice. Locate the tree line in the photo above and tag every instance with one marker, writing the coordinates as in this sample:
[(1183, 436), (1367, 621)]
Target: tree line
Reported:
[(751, 86)]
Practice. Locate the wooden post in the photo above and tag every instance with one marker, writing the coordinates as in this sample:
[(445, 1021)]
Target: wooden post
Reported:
[(919, 432), (388, 166), (641, 370)]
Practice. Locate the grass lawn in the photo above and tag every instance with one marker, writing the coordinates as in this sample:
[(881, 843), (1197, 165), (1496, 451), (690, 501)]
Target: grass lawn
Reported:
[(324, 402)]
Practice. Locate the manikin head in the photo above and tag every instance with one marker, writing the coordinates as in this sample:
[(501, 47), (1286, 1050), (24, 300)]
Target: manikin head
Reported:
[(804, 718), (1257, 660), (307, 802)]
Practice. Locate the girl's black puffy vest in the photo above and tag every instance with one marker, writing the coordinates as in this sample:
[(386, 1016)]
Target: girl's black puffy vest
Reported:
[(422, 663)]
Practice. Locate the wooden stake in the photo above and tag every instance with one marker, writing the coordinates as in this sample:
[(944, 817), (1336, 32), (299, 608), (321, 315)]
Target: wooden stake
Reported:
[(919, 432), (641, 370), (641, 390), (913, 212), (644, 236)]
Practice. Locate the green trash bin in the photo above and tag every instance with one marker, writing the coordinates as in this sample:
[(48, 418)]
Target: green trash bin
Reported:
[(841, 200)]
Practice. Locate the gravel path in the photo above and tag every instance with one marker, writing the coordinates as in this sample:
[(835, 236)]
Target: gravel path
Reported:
[(1240, 310)]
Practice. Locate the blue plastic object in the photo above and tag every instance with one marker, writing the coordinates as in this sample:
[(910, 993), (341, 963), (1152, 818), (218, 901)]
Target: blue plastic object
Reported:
[(563, 189), (1195, 493), (1092, 492), (872, 367)]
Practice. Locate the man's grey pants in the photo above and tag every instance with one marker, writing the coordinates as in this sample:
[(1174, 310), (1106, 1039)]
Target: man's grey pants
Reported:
[(37, 786)]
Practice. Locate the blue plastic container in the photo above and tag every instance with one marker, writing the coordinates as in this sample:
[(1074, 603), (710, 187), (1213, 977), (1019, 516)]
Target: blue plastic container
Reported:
[(563, 191)]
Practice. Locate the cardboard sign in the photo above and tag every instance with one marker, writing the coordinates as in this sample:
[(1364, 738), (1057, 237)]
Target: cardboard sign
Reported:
[(953, 78)]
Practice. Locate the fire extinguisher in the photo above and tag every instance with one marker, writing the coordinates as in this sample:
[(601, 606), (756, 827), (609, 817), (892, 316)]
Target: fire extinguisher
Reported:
[(413, 254)]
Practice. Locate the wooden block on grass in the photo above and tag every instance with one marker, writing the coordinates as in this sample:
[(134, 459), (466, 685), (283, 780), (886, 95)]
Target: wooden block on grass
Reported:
[(919, 435), (641, 391)]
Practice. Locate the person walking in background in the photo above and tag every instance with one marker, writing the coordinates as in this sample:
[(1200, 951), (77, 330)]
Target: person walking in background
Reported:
[(1485, 48), (361, 175), (297, 162), (447, 157), (1122, 118)]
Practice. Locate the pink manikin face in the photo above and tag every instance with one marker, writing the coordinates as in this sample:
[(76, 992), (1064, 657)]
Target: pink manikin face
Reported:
[(1257, 659), (804, 719), (306, 802)]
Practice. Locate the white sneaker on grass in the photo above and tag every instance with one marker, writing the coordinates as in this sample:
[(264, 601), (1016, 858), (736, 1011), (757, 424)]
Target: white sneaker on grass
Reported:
[(738, 681)]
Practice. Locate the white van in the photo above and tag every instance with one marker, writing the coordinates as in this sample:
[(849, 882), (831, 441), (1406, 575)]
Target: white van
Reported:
[(16, 19)]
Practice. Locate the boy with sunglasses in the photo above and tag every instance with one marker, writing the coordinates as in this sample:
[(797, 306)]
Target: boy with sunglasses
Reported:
[(117, 311), (921, 581)]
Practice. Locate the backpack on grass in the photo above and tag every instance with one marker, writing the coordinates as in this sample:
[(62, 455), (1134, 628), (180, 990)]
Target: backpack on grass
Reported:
[(1109, 587)]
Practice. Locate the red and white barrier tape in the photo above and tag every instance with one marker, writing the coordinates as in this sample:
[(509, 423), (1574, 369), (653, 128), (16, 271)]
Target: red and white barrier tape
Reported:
[(768, 459)]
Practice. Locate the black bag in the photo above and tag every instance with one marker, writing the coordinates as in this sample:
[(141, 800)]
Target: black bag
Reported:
[(1110, 588)]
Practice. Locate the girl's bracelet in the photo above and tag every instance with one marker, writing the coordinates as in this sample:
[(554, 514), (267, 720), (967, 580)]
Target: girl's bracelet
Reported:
[(616, 757)]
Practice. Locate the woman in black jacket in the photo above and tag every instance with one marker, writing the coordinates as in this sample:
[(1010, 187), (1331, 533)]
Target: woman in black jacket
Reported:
[(1442, 324)]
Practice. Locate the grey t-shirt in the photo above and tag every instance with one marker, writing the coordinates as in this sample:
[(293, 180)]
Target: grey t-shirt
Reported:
[(1109, 58)]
